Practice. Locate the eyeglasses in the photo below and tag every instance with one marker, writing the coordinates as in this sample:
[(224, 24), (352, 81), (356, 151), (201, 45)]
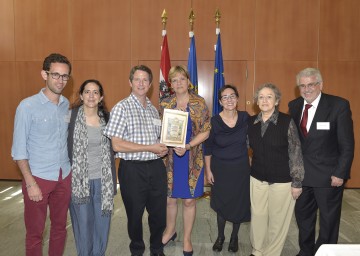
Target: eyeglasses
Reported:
[(265, 98), (310, 85), (56, 76), (228, 97)]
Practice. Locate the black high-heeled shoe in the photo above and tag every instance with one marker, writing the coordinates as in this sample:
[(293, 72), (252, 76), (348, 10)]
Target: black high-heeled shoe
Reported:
[(233, 245), (171, 239), (188, 253), (218, 245)]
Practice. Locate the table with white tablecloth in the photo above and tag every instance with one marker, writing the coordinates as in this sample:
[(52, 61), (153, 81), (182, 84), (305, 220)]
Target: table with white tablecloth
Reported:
[(339, 250)]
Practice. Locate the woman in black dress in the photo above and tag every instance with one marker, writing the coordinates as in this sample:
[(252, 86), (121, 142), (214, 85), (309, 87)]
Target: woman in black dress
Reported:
[(227, 167)]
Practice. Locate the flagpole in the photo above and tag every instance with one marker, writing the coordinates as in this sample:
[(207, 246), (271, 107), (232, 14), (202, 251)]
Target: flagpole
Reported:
[(217, 21), (191, 21), (164, 21), (192, 63), (219, 80), (165, 88), (192, 68)]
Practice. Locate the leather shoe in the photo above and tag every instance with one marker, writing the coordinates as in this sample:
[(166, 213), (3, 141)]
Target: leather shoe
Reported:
[(233, 245), (188, 253), (171, 239), (157, 254), (218, 245)]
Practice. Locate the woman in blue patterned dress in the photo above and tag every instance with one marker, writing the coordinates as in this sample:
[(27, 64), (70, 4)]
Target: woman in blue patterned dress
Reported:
[(185, 165)]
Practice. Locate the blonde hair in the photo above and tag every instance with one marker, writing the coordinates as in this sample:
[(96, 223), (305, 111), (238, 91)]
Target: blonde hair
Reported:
[(179, 69)]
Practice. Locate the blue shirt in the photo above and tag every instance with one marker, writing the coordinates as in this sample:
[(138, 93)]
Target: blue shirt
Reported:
[(40, 136)]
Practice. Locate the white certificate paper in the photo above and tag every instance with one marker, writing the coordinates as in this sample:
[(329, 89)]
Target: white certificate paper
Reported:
[(174, 126)]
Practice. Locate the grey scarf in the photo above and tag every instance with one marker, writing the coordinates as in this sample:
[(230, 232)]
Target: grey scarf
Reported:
[(80, 175)]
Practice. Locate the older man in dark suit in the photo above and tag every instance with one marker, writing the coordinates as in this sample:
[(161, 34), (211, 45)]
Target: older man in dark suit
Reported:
[(327, 136)]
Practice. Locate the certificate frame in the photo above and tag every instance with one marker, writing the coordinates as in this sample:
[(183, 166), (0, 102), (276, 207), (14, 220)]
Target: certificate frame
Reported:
[(174, 127)]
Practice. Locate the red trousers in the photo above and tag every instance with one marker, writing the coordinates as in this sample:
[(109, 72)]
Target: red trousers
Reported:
[(56, 195)]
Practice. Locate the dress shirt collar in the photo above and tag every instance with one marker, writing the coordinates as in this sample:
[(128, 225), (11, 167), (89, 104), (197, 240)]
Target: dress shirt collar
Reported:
[(315, 103), (44, 99), (134, 98), (273, 118)]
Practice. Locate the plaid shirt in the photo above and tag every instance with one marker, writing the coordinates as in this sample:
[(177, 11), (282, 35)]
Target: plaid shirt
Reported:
[(130, 121)]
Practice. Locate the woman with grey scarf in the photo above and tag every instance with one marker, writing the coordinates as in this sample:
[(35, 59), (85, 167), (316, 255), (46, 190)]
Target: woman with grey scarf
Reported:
[(93, 171)]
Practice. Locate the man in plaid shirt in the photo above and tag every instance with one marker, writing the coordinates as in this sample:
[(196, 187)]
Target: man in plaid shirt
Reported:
[(134, 128)]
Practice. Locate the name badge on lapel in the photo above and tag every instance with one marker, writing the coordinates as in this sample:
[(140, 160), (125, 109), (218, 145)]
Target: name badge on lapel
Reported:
[(323, 125)]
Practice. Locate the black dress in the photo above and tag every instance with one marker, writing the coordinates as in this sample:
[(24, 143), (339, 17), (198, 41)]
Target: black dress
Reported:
[(230, 194)]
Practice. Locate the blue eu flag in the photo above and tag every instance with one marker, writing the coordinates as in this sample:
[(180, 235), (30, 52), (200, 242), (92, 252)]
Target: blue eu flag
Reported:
[(192, 66), (219, 80)]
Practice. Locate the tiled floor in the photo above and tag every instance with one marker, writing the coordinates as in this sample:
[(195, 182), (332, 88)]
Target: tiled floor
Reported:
[(12, 230)]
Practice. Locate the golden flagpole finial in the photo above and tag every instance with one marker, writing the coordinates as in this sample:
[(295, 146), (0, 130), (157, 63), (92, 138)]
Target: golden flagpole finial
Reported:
[(217, 18), (191, 20), (164, 19)]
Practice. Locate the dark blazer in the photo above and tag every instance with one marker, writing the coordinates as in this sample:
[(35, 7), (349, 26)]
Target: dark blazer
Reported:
[(330, 152), (70, 141)]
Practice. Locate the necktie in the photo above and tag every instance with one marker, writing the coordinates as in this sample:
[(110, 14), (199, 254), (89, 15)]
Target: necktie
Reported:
[(304, 119)]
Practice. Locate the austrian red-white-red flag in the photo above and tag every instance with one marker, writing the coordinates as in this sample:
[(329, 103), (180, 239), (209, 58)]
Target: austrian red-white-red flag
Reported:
[(165, 88)]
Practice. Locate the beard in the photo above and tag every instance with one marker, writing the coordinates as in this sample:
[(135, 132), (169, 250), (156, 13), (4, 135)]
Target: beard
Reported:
[(55, 89)]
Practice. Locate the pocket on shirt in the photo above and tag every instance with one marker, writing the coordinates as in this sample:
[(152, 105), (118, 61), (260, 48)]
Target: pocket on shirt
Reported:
[(45, 125)]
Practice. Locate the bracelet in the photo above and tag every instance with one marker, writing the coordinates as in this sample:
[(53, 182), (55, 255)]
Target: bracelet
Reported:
[(30, 185), (189, 146)]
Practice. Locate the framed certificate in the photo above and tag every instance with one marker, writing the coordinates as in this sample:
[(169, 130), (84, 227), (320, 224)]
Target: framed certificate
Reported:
[(174, 126)]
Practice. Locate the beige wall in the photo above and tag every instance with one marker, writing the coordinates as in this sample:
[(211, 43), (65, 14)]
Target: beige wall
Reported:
[(262, 40)]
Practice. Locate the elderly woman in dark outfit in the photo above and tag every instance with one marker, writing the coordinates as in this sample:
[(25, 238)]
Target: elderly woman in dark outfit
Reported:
[(277, 171), (93, 171), (227, 167)]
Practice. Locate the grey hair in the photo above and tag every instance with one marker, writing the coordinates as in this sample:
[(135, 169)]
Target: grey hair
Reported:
[(270, 86), (309, 72)]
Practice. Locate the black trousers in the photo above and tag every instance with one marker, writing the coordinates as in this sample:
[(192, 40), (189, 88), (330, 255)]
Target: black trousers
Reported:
[(143, 184), (328, 201)]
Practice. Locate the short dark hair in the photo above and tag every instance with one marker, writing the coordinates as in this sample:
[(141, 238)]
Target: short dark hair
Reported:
[(82, 86), (55, 58), (228, 86), (141, 68), (102, 110)]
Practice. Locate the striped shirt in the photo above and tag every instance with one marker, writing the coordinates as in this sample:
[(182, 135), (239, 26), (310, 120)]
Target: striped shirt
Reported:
[(130, 121)]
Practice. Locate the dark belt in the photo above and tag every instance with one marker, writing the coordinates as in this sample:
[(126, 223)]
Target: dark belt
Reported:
[(139, 161)]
